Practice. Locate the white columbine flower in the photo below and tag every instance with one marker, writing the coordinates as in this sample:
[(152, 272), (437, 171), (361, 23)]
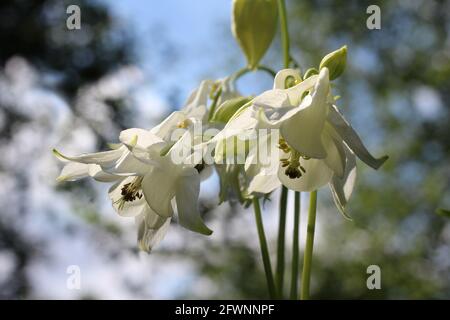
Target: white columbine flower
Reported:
[(146, 178), (316, 144)]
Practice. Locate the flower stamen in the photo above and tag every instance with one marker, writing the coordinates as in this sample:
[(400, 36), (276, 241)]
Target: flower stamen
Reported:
[(294, 169), (130, 192), (184, 124)]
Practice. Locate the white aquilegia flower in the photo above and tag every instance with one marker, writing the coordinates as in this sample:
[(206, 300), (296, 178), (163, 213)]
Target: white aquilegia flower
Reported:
[(310, 143), (151, 173)]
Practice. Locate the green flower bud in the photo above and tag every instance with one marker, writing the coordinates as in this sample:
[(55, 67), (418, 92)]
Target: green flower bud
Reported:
[(335, 62), (227, 109), (254, 23)]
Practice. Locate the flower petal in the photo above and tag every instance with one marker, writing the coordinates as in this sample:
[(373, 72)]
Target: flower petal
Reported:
[(129, 208), (303, 130), (105, 158), (97, 173), (164, 129), (141, 138), (73, 171), (275, 98), (351, 138), (151, 229), (334, 147), (342, 188), (296, 92), (158, 186), (280, 78), (186, 195), (317, 175), (129, 164), (195, 106), (264, 183)]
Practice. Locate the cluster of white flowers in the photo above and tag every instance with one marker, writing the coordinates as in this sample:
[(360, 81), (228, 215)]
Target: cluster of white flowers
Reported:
[(157, 172)]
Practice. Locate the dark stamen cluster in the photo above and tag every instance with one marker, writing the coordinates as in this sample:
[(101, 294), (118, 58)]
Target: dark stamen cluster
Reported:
[(129, 193)]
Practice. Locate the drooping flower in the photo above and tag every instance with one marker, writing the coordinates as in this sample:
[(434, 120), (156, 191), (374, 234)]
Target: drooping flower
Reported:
[(315, 144), (146, 178)]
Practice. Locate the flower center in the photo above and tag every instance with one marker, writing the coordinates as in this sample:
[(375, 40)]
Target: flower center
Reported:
[(294, 169), (130, 191), (199, 167), (184, 124)]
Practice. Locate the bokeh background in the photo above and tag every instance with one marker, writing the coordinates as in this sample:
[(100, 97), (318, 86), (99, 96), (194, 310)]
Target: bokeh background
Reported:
[(132, 63)]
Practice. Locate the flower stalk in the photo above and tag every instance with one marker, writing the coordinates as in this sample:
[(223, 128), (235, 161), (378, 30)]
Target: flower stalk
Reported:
[(264, 249), (295, 248), (307, 260), (281, 241), (284, 33)]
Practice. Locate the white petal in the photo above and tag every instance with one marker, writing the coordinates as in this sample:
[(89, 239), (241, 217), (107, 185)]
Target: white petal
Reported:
[(304, 129), (164, 129), (342, 188), (243, 122), (130, 208), (187, 192), (351, 138), (73, 171), (129, 164), (280, 78), (139, 137), (335, 152), (296, 92), (196, 104), (96, 172), (106, 158), (276, 98), (151, 229), (158, 186), (317, 175), (262, 183), (264, 157)]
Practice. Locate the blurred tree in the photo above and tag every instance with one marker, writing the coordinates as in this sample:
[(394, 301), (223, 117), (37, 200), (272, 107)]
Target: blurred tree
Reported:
[(36, 31)]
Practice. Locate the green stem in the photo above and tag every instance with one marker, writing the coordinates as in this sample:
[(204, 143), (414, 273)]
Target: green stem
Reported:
[(268, 70), (306, 275), (264, 249), (281, 237), (212, 109), (284, 33), (295, 248), (246, 70)]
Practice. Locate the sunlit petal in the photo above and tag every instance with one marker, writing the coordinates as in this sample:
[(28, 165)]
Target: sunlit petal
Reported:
[(317, 175), (73, 171), (342, 188), (186, 195), (151, 229), (159, 189), (351, 138)]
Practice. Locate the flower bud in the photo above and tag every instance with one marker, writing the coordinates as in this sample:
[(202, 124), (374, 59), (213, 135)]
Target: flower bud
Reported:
[(254, 23), (335, 62), (227, 109)]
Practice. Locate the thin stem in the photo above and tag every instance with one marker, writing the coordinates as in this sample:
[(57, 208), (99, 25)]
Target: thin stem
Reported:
[(264, 250), (212, 109), (281, 238), (267, 70), (284, 33), (246, 70), (295, 248), (306, 275)]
